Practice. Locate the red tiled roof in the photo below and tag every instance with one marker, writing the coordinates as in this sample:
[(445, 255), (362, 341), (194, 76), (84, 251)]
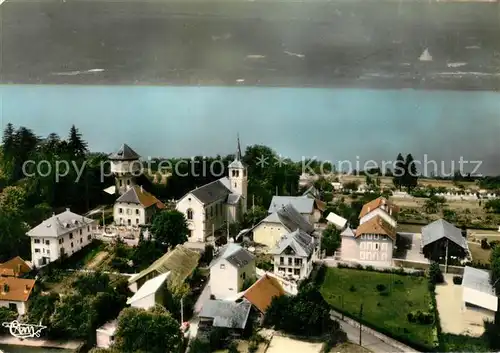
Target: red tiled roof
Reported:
[(376, 225), (377, 203), (262, 292)]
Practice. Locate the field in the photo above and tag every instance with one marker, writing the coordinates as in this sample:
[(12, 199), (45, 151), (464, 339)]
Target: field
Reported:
[(386, 310), (478, 254), (386, 182)]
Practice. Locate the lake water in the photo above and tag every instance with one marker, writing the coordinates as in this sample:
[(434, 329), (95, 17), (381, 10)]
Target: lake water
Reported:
[(20, 349), (333, 124)]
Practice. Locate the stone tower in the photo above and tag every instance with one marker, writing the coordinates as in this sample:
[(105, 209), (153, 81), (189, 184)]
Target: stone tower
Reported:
[(238, 178)]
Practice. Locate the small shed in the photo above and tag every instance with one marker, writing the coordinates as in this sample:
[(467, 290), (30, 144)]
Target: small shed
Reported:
[(150, 294), (478, 291), (338, 221), (105, 335), (440, 236)]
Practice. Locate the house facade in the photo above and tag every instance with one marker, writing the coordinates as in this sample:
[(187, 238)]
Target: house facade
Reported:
[(210, 206), (374, 239), (64, 233), (285, 220), (136, 207), (15, 293), (293, 255), (230, 269)]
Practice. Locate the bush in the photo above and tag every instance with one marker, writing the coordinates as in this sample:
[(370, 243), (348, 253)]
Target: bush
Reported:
[(352, 288), (411, 317), (484, 244), (398, 281), (420, 317), (494, 243), (381, 287), (370, 268), (457, 279), (435, 274), (384, 293)]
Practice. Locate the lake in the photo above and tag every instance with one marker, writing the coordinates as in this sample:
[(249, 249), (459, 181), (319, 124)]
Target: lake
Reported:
[(330, 123)]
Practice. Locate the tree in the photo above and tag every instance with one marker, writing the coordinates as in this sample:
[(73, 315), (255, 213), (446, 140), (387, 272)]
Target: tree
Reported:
[(170, 228), (435, 274), (399, 171), (76, 146), (152, 331), (330, 240), (410, 179), (495, 269), (253, 216)]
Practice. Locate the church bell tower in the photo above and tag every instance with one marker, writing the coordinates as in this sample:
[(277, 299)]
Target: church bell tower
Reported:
[(238, 177)]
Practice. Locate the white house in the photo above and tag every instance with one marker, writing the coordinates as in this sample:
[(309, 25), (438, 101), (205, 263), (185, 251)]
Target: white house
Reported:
[(285, 220), (374, 239), (208, 207), (338, 221), (379, 207), (105, 335), (66, 232), (15, 293), (136, 207), (293, 255), (478, 293), (150, 293), (308, 207), (232, 266)]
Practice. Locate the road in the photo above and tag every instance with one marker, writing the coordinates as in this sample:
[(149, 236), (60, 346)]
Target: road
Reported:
[(262, 42)]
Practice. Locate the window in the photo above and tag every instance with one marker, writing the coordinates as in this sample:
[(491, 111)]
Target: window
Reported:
[(88, 229), (129, 211), (189, 213), (120, 210), (37, 250), (36, 241), (71, 244), (137, 211), (48, 252), (81, 240), (88, 237), (211, 211), (61, 251), (281, 269), (235, 185), (296, 272), (289, 270), (13, 306), (244, 275), (137, 221), (298, 262), (129, 222), (121, 182), (376, 246), (60, 241), (128, 182), (290, 261), (71, 235), (282, 260), (222, 266), (80, 232)]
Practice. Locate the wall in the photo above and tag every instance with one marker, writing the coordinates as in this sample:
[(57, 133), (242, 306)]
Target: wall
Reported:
[(21, 306), (53, 249), (483, 300), (197, 224), (249, 271), (381, 213), (144, 303), (268, 233), (133, 213), (223, 281), (349, 248), (375, 249)]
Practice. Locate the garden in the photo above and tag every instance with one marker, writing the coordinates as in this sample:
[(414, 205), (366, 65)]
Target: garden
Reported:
[(395, 304)]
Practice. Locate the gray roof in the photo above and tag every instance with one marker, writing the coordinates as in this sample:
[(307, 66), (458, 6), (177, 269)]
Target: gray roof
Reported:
[(125, 153), (348, 232), (60, 224), (233, 199), (212, 192), (303, 204), (300, 242), (235, 255), (227, 313), (442, 229), (293, 220), (311, 192), (237, 164), (477, 279)]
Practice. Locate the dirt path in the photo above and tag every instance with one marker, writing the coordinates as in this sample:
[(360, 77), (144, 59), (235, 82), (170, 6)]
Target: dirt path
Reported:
[(96, 261)]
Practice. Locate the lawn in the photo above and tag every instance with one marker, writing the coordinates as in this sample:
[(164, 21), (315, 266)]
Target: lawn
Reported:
[(386, 310), (479, 254)]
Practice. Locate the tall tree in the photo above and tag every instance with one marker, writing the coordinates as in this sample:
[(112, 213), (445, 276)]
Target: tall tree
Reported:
[(410, 180), (399, 171), (495, 269), (170, 228), (77, 147)]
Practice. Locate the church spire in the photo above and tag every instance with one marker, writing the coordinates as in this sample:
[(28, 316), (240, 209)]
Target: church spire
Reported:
[(238, 151)]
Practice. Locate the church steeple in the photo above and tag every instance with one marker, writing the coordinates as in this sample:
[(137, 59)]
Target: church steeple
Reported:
[(238, 151)]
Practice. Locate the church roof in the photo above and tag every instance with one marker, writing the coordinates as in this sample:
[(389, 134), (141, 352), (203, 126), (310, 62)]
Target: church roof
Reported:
[(125, 153), (137, 195), (237, 164), (233, 199), (212, 192)]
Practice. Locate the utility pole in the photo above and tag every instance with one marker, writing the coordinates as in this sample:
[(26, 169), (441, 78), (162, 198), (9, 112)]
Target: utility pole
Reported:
[(182, 311), (446, 259), (253, 202), (360, 325)]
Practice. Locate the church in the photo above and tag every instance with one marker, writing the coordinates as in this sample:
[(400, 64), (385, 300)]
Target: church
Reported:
[(207, 208)]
